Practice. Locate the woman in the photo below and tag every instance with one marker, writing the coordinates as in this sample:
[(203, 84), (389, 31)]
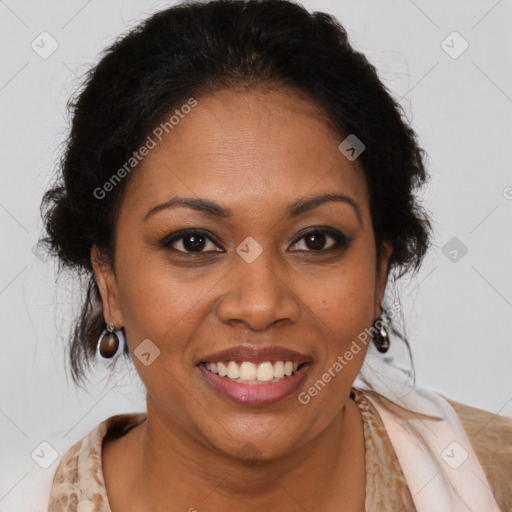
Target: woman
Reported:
[(239, 187)]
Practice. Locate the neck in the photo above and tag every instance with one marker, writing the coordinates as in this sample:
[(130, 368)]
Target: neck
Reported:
[(171, 466)]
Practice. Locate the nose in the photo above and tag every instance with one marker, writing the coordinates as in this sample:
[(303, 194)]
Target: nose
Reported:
[(258, 295)]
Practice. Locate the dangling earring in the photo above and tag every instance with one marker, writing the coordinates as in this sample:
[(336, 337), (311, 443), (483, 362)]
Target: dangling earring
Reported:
[(111, 344), (381, 338)]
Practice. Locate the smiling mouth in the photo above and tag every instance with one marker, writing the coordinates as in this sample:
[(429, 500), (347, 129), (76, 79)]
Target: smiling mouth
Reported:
[(246, 372)]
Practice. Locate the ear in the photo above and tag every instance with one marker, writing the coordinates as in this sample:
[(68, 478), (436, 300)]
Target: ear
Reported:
[(382, 275), (107, 284)]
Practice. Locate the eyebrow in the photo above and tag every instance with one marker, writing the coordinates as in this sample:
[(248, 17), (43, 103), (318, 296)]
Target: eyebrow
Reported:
[(216, 210)]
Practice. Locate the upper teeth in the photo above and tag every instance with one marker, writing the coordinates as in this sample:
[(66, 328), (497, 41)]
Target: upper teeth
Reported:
[(247, 371)]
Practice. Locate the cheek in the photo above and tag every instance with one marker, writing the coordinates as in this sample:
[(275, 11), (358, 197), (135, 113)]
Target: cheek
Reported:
[(344, 311), (343, 299), (157, 304), (351, 302), (343, 304)]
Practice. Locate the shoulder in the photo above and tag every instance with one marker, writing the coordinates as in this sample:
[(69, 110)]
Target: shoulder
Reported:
[(491, 437), (79, 473)]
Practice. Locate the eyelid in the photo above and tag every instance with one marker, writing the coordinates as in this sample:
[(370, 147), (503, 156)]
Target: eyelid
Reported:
[(342, 241), (319, 229), (167, 241)]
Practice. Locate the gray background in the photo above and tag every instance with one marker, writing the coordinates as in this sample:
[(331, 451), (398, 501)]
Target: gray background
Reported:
[(458, 312)]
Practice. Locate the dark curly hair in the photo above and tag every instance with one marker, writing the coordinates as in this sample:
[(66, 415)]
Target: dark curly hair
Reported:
[(192, 49)]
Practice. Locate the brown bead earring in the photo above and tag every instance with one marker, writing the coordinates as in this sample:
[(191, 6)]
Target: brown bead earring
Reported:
[(110, 344), (381, 338)]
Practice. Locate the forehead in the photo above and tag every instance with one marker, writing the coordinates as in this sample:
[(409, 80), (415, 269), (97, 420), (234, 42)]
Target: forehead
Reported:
[(247, 149)]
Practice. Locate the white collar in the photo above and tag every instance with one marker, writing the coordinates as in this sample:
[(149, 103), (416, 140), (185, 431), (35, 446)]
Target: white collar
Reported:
[(453, 455)]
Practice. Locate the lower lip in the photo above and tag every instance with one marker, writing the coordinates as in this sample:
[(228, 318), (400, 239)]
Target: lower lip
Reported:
[(255, 394)]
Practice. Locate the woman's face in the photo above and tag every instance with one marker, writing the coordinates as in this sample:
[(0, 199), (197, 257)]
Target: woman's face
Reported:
[(255, 279)]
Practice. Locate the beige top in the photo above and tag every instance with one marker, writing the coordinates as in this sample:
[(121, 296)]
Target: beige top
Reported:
[(78, 483)]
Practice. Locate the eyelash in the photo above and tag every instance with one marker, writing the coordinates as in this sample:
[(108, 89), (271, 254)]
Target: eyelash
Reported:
[(341, 241)]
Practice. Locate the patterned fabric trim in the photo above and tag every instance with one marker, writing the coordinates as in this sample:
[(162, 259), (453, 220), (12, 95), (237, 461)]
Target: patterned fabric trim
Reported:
[(78, 484)]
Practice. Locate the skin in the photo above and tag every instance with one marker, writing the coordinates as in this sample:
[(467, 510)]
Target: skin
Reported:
[(253, 152)]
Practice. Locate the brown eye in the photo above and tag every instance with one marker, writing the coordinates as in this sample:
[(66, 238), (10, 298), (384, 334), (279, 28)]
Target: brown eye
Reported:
[(189, 242), (194, 242), (315, 241)]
